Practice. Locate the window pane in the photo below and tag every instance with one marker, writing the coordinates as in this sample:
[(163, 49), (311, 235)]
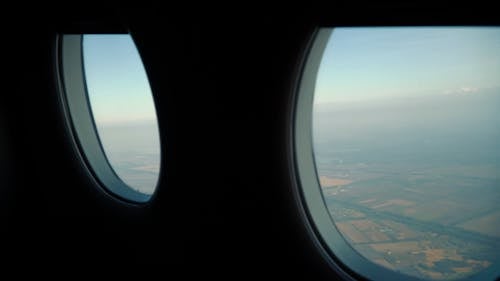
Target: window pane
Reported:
[(123, 109), (406, 132)]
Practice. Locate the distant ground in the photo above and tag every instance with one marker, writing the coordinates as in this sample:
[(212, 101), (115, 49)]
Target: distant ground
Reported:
[(133, 150), (415, 187)]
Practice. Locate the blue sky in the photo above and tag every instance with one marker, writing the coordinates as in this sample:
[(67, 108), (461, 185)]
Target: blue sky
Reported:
[(388, 62), (117, 83)]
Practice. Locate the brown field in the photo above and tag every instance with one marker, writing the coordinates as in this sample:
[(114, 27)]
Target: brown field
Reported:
[(384, 263), (348, 230), (327, 181), (434, 255), (397, 247), (488, 224), (370, 230), (431, 274), (364, 225), (403, 231), (396, 202), (409, 252), (462, 269), (377, 236), (480, 263)]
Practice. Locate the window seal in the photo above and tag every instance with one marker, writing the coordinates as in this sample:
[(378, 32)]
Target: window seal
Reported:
[(77, 112)]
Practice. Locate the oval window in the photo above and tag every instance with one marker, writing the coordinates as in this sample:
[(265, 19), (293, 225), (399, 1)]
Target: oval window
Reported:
[(113, 112), (404, 130)]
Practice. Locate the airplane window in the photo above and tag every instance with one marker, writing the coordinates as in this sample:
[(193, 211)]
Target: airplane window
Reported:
[(113, 112), (123, 108), (406, 143)]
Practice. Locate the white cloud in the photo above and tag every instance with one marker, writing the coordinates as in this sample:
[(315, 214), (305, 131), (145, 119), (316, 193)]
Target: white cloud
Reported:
[(461, 91)]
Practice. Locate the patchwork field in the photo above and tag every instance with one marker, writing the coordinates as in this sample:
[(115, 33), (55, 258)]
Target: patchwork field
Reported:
[(416, 230)]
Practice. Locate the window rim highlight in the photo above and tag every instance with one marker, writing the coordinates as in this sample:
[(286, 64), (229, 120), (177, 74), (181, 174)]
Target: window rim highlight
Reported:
[(328, 240), (81, 124)]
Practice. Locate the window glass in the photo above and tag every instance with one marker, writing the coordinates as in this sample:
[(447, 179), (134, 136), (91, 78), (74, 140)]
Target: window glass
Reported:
[(406, 137), (123, 109)]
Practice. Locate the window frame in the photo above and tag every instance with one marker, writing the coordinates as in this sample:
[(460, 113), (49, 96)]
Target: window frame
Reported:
[(327, 239), (77, 111)]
